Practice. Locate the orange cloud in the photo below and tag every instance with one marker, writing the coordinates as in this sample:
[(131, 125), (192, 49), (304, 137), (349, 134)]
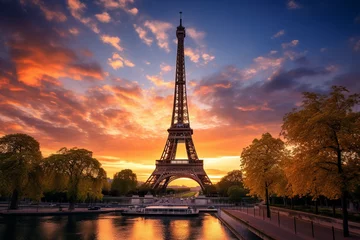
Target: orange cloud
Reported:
[(158, 81), (103, 17), (77, 9), (116, 62), (113, 41)]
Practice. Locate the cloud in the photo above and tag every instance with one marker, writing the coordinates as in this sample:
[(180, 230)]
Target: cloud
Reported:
[(192, 54), (103, 17), (197, 36), (116, 62), (133, 11), (165, 67), (291, 4), (158, 81), (113, 41), (50, 15), (207, 57), (323, 49), (77, 8), (349, 80), (74, 31), (263, 63), (39, 53), (122, 4), (142, 35), (230, 98), (278, 34), (293, 43), (159, 29), (288, 79)]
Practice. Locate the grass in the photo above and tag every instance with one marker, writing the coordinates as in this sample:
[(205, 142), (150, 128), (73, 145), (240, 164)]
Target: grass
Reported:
[(186, 194)]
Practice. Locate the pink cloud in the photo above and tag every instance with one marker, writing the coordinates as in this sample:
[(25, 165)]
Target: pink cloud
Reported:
[(159, 29), (278, 34), (50, 14), (74, 31), (192, 54), (197, 36), (291, 4), (293, 43), (165, 67), (122, 4), (143, 35)]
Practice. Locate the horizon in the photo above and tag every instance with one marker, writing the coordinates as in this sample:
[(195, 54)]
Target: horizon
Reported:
[(100, 75)]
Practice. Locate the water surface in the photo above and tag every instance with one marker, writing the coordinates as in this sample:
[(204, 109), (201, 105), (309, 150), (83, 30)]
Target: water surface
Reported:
[(112, 226)]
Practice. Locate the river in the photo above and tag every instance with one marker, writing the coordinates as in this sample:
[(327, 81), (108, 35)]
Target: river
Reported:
[(112, 226)]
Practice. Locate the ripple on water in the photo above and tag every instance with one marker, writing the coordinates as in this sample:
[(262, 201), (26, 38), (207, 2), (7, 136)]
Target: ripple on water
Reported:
[(112, 226)]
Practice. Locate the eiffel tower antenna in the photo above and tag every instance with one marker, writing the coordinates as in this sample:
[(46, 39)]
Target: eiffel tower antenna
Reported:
[(168, 168), (180, 19)]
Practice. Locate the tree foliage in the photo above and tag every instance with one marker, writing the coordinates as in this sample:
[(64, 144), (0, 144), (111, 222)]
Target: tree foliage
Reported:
[(236, 193), (77, 172), (20, 168), (261, 161), (124, 182), (233, 178), (325, 133)]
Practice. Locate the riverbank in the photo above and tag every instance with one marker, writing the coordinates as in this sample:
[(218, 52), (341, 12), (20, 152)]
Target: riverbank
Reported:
[(55, 211), (354, 227), (279, 226)]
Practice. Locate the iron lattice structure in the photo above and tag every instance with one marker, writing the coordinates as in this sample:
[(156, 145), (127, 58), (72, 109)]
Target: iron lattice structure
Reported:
[(168, 168)]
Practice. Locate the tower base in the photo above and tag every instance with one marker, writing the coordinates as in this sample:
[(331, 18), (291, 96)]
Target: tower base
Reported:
[(167, 171)]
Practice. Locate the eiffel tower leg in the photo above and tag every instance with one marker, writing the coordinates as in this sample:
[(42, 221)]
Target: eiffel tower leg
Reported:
[(165, 184)]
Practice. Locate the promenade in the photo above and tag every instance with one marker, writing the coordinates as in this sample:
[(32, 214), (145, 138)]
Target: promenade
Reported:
[(281, 226), (55, 211)]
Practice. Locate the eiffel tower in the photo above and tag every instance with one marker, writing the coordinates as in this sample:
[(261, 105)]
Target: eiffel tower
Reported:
[(168, 168)]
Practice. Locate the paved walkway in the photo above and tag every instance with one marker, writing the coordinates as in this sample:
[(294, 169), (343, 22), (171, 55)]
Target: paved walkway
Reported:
[(285, 228), (54, 211)]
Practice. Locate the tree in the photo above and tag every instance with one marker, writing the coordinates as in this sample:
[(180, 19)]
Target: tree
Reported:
[(106, 187), (81, 175), (325, 131), (233, 178), (236, 193), (124, 182), (261, 162), (20, 167)]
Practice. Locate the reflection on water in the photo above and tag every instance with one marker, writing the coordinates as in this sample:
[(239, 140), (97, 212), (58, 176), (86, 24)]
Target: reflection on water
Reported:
[(112, 226)]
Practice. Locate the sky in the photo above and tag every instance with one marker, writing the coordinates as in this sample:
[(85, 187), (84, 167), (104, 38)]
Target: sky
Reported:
[(100, 74)]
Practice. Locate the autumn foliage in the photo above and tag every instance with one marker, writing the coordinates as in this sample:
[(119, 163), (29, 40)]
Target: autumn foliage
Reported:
[(320, 156)]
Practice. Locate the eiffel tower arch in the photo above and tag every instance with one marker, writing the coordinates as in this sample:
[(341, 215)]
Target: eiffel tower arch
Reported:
[(168, 168)]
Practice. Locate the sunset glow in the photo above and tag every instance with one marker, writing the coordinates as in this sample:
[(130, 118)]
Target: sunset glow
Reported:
[(100, 74)]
